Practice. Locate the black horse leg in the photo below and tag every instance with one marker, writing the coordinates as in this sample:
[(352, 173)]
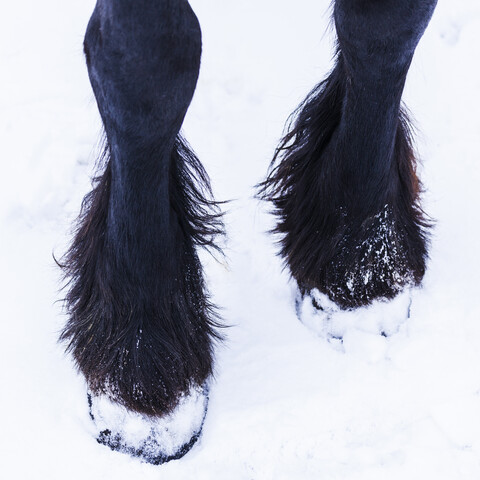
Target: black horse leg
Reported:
[(140, 324), (343, 180)]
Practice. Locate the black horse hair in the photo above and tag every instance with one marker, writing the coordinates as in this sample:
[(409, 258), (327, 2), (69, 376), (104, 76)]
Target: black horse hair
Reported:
[(143, 345), (354, 247)]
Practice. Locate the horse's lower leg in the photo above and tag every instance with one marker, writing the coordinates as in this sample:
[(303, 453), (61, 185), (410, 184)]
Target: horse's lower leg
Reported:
[(141, 326), (343, 181)]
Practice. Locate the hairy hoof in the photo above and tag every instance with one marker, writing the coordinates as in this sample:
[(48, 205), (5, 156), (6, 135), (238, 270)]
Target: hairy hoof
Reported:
[(382, 318), (374, 262), (155, 440)]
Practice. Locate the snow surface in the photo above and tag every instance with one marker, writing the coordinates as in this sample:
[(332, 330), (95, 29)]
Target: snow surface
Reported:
[(286, 404)]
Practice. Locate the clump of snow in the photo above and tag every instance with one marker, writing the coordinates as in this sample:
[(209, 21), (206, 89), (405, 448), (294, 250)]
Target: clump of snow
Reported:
[(162, 436), (330, 322)]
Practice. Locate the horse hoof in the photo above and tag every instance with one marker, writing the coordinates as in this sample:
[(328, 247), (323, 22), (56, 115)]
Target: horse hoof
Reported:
[(155, 440), (327, 320)]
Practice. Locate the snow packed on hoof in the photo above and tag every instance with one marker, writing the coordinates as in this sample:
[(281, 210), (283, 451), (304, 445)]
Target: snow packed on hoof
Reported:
[(156, 440), (327, 320)]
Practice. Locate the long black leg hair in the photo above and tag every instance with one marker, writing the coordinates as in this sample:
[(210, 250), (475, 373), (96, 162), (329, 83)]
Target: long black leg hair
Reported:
[(141, 327), (343, 181)]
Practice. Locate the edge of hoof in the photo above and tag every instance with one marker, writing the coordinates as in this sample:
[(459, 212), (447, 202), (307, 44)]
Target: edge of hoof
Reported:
[(327, 320), (155, 440)]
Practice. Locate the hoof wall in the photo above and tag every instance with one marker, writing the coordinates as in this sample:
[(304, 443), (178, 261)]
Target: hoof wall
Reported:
[(155, 440), (327, 320)]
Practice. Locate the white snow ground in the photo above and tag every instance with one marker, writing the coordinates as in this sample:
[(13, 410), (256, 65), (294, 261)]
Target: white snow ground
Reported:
[(286, 404)]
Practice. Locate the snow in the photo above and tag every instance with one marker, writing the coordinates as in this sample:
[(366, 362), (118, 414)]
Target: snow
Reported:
[(380, 319), (166, 436), (286, 403)]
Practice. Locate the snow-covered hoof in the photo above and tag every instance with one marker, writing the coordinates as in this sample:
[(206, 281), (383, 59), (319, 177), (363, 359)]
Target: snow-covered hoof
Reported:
[(155, 440), (327, 320)]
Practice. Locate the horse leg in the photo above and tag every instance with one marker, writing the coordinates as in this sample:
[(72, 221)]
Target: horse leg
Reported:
[(140, 324), (343, 180)]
